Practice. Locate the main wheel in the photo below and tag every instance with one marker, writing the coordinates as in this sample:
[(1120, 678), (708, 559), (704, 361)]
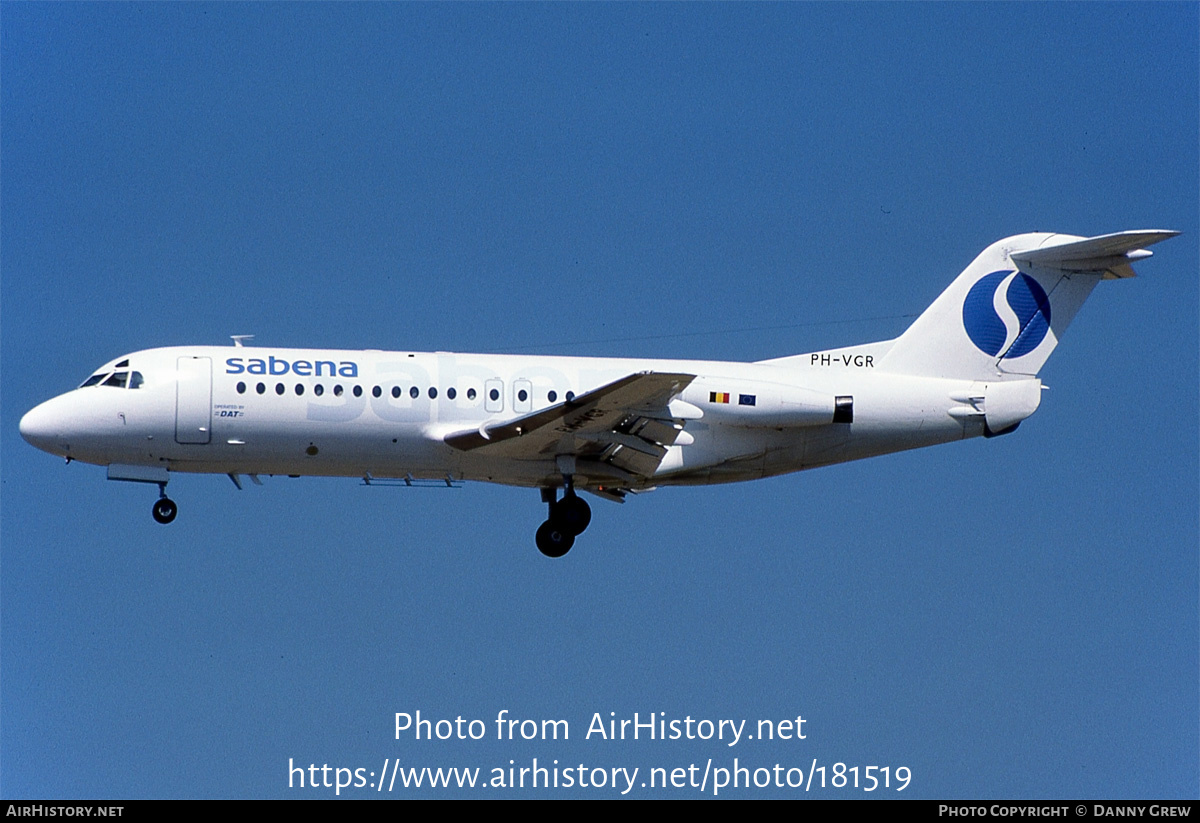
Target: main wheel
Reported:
[(553, 540), (164, 510), (572, 514)]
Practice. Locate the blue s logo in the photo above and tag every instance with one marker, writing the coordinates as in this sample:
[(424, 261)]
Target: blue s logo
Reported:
[(1027, 300)]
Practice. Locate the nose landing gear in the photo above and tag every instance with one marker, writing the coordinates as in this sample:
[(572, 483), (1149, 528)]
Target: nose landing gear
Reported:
[(568, 519)]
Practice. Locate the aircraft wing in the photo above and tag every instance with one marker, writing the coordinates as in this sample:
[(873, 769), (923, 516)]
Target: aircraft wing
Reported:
[(625, 425)]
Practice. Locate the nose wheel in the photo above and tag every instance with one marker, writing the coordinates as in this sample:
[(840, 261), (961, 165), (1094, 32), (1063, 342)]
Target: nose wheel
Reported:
[(164, 510), (568, 519)]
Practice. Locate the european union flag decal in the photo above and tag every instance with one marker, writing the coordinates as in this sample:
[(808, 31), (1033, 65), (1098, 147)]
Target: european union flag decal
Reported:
[(746, 399)]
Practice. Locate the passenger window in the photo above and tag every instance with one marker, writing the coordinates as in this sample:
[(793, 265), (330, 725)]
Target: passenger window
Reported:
[(493, 402), (395, 391), (470, 394), (279, 388), (414, 392), (241, 388), (299, 389), (318, 390), (260, 388), (570, 395), (451, 393), (376, 392), (358, 391), (337, 390), (432, 393), (552, 396)]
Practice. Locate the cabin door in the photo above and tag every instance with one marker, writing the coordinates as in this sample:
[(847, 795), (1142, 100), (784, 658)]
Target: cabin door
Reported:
[(193, 400)]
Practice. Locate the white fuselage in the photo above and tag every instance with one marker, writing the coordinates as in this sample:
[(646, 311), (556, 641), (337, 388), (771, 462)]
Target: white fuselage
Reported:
[(243, 410)]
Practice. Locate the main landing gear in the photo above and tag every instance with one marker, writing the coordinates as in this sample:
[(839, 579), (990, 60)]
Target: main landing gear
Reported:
[(164, 510), (568, 519)]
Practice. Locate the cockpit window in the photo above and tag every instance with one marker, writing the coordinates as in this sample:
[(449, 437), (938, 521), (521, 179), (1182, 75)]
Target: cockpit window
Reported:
[(119, 380), (124, 364)]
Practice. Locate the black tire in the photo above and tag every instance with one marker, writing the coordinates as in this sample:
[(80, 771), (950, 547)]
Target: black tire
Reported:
[(164, 510), (572, 514), (553, 541)]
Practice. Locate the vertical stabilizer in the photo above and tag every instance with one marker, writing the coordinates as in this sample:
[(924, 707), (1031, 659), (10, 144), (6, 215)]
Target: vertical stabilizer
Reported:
[(1006, 312)]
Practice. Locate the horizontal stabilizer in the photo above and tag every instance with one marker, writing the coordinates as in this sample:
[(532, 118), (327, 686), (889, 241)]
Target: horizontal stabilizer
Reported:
[(1108, 253)]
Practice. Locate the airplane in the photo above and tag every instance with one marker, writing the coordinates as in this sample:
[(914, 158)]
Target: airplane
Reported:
[(966, 367)]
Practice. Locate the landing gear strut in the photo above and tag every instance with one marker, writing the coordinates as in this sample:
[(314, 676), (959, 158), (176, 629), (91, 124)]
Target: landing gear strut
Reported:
[(164, 510), (568, 519)]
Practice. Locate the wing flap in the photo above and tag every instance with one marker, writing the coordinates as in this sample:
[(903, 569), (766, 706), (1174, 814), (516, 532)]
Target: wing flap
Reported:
[(635, 461)]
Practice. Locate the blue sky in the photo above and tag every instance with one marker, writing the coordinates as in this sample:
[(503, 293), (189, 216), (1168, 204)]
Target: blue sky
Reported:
[(1007, 618)]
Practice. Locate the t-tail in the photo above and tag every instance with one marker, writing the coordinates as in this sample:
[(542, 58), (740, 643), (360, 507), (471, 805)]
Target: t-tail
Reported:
[(1002, 317)]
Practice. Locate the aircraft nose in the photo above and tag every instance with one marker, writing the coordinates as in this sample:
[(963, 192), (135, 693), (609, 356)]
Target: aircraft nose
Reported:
[(42, 426)]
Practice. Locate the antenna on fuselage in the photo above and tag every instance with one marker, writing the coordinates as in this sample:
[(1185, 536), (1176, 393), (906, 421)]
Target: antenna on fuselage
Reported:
[(239, 338)]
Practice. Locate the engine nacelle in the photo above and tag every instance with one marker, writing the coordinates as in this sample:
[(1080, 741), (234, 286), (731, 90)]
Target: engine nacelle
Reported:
[(1002, 404)]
